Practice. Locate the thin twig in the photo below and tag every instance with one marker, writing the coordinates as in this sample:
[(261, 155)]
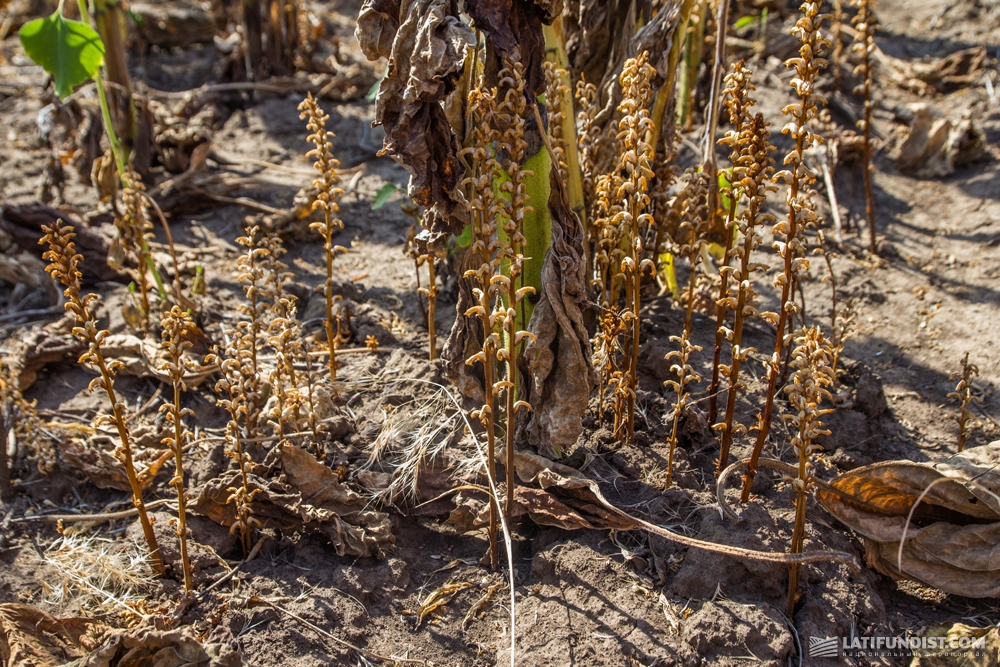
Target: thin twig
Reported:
[(99, 518)]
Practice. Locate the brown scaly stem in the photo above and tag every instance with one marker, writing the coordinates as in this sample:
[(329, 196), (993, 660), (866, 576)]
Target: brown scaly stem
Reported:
[(755, 170), (431, 309), (864, 23), (64, 261), (800, 213), (738, 102), (327, 200), (812, 376), (177, 328)]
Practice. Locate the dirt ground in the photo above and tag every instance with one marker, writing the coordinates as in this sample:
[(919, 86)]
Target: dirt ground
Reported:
[(581, 598)]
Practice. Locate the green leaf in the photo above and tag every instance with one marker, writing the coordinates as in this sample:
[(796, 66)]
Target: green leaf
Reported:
[(373, 91), (382, 196), (464, 240), (71, 51), (744, 21)]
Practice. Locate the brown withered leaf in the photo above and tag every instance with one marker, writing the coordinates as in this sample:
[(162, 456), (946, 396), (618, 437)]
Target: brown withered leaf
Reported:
[(936, 145), (31, 638), (559, 359), (24, 224), (951, 543), (515, 25), (33, 349), (427, 53), (311, 497), (160, 648)]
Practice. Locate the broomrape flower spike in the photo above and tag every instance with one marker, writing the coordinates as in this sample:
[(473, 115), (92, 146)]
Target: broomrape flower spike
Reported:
[(806, 392), (635, 158), (738, 102), (327, 199), (177, 330), (963, 394), (234, 385), (483, 209), (753, 172), (253, 276), (284, 338), (798, 198), (19, 415), (864, 45), (63, 266)]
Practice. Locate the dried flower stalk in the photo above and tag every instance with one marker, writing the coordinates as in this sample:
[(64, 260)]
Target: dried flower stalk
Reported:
[(798, 178), (963, 394), (589, 137), (483, 209), (806, 392), (237, 381), (20, 414), (738, 101), (284, 332), (511, 114), (63, 266), (685, 376), (327, 200), (177, 330), (864, 45), (251, 330), (635, 157), (133, 231), (555, 92), (754, 170)]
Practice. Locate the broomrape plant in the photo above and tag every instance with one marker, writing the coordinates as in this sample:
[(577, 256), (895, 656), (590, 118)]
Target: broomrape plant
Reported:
[(864, 45), (738, 101), (754, 168), (177, 330), (806, 392), (631, 215), (327, 200), (798, 178), (963, 394), (63, 266)]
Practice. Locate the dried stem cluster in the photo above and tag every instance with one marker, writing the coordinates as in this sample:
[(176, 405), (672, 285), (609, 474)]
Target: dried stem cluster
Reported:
[(801, 214), (497, 149), (621, 213), (752, 177)]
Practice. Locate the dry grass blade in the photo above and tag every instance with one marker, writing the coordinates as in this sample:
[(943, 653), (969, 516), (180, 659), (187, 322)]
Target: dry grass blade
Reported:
[(438, 598), (99, 574)]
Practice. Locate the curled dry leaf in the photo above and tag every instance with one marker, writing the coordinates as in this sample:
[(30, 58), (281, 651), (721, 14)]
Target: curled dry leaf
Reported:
[(31, 638), (936, 145), (143, 356), (425, 42), (162, 649), (559, 358), (951, 542), (311, 497), (33, 349)]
